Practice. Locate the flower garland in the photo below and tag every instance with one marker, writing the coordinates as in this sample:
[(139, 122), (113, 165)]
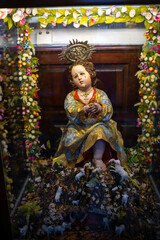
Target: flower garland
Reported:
[(21, 84), (147, 75), (149, 106)]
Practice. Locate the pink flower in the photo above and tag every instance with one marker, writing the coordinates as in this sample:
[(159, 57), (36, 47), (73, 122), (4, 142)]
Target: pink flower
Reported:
[(1, 78), (158, 17), (88, 13), (53, 23), (113, 9), (3, 13), (153, 48), (93, 20)]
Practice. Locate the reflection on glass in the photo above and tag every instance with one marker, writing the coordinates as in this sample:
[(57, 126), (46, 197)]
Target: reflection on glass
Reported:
[(87, 201)]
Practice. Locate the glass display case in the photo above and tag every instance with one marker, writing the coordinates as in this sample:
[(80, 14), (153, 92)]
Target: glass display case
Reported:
[(53, 184)]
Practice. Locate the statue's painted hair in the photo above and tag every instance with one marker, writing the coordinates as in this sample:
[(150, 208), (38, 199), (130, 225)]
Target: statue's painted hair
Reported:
[(89, 66)]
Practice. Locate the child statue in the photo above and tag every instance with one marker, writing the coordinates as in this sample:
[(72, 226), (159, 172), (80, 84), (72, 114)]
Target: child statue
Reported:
[(91, 134)]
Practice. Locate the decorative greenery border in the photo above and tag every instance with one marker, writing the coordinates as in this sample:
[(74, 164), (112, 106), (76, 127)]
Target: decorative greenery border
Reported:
[(22, 84)]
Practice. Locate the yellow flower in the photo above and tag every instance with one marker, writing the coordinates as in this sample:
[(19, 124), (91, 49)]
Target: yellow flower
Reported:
[(155, 71), (8, 187)]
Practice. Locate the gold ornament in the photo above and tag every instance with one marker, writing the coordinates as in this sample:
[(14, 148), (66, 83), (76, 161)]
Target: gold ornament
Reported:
[(77, 50)]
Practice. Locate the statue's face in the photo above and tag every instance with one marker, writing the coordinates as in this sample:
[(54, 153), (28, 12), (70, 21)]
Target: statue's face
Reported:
[(81, 78)]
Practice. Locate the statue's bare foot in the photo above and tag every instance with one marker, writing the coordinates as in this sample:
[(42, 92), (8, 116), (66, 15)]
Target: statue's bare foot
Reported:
[(99, 164)]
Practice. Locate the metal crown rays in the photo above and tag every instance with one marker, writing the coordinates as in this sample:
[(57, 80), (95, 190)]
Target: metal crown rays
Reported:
[(77, 50)]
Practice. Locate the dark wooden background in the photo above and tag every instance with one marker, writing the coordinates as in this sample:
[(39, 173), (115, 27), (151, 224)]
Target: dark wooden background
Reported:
[(116, 67)]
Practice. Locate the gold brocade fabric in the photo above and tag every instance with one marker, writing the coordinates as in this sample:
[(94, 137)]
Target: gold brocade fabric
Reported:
[(83, 130)]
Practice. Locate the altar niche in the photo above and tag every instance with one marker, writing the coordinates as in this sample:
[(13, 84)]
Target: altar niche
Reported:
[(115, 66)]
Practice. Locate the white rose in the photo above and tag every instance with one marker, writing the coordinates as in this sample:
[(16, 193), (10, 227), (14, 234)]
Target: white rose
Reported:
[(28, 103), (34, 11), (150, 58), (132, 13), (148, 16), (24, 77), (154, 11), (28, 10), (16, 17), (100, 12), (108, 11), (124, 9), (30, 99), (76, 24), (118, 14), (20, 78)]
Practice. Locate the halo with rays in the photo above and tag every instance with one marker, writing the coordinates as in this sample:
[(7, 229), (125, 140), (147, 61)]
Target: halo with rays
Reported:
[(77, 50)]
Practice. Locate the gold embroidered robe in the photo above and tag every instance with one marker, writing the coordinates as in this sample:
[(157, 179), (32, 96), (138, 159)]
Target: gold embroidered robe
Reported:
[(83, 130)]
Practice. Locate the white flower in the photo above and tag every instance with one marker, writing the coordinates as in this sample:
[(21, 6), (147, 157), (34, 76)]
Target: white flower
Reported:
[(28, 104), (28, 10), (132, 13), (75, 15), (58, 14), (148, 16), (118, 14), (20, 78), (108, 11), (150, 58), (154, 11), (147, 134), (144, 97), (124, 9), (67, 13), (43, 25), (20, 73), (158, 39), (76, 24), (30, 99), (146, 101), (34, 11), (16, 17), (100, 12), (24, 77)]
